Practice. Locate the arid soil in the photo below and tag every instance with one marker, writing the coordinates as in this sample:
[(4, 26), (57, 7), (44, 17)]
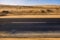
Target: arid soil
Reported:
[(29, 10), (29, 38)]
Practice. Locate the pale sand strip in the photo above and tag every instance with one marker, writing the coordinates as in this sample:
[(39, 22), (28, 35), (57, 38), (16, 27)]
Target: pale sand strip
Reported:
[(32, 16), (29, 38), (30, 35)]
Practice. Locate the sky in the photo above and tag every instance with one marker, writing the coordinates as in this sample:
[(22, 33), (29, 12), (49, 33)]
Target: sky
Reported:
[(30, 2)]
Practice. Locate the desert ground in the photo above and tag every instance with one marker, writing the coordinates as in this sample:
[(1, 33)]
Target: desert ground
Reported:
[(30, 10), (29, 38), (49, 11)]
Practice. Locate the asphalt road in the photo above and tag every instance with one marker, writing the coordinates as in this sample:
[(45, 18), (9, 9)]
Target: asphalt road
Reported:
[(30, 24)]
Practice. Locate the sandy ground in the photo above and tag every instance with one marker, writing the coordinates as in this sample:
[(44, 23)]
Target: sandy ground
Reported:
[(29, 38), (31, 35), (32, 16)]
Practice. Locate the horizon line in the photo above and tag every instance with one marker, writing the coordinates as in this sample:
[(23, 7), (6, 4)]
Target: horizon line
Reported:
[(31, 5)]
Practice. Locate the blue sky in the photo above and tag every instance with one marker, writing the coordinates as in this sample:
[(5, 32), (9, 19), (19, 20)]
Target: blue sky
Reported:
[(30, 2)]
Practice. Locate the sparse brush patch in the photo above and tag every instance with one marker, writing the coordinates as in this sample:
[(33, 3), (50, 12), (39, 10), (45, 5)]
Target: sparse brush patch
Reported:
[(3, 13), (43, 11), (48, 10)]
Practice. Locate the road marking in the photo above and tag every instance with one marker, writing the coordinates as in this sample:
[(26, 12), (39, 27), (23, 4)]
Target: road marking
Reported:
[(35, 22), (28, 22)]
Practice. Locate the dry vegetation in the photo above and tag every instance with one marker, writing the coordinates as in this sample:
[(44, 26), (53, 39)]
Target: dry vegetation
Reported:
[(30, 10)]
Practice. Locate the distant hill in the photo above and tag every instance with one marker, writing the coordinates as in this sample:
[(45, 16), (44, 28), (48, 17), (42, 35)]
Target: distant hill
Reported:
[(30, 10)]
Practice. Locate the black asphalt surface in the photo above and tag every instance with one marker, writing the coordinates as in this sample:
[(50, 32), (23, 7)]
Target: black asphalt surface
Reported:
[(30, 24)]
